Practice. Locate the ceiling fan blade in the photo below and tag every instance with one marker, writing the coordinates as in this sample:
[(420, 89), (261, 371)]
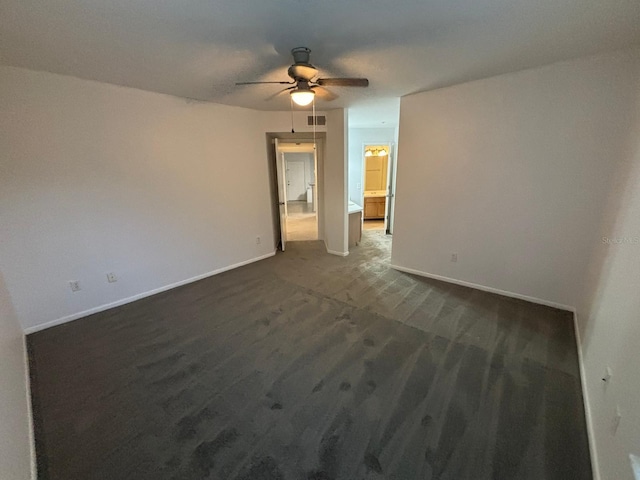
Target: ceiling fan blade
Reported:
[(343, 82), (324, 94), (277, 94), (258, 83)]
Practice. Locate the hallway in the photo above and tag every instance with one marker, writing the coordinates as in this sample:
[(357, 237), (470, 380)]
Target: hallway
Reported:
[(301, 222)]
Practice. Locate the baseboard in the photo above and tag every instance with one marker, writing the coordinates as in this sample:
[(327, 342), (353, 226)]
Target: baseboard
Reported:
[(335, 252), (587, 407), (477, 286), (139, 296), (32, 442)]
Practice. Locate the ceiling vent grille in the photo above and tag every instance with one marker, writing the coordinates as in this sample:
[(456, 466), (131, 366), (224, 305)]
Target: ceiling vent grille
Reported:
[(319, 120)]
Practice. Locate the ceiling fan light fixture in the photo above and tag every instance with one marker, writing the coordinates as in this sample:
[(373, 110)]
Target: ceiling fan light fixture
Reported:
[(302, 75), (302, 96)]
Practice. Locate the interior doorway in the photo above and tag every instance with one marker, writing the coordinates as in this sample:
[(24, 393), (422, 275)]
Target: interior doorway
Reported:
[(377, 180), (300, 180), (296, 166)]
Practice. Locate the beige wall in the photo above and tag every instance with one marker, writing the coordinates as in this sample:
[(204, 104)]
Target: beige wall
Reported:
[(512, 173), (15, 428), (335, 189), (609, 318), (96, 178)]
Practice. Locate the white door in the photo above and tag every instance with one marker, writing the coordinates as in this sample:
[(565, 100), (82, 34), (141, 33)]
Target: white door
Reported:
[(282, 194), (391, 196), (314, 188), (296, 186)]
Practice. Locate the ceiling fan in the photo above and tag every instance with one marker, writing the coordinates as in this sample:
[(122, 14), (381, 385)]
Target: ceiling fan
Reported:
[(304, 86)]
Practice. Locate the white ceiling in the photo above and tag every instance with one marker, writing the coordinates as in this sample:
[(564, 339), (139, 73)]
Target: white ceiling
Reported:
[(199, 48)]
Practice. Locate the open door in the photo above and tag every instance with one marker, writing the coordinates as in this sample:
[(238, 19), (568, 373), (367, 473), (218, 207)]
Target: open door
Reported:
[(314, 187), (391, 198), (281, 173)]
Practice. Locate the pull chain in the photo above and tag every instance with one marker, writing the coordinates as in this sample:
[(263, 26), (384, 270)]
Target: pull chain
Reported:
[(313, 106), (291, 107)]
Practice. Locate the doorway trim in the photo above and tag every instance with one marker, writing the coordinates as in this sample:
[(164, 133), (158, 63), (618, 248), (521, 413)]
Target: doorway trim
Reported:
[(285, 150), (391, 173), (288, 138)]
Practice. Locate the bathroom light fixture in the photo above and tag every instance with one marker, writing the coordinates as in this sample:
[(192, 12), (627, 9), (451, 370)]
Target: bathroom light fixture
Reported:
[(302, 95), (376, 152)]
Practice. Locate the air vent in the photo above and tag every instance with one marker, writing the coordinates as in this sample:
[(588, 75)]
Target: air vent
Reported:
[(320, 120)]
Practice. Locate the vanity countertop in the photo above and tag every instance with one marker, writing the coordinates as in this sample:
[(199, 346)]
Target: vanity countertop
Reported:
[(354, 207), (374, 193)]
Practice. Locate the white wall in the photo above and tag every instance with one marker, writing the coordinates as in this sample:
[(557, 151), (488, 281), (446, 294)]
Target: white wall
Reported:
[(96, 178), (512, 173), (609, 317), (523, 175), (357, 138), (335, 188), (280, 122), (15, 428)]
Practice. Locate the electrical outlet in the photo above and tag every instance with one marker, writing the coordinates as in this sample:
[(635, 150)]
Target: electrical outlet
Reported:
[(111, 277), (607, 376), (454, 257), (358, 186), (258, 240), (75, 285)]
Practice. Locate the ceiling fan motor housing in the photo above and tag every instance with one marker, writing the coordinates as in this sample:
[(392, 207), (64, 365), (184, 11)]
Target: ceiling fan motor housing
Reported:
[(301, 69), (303, 74), (301, 55)]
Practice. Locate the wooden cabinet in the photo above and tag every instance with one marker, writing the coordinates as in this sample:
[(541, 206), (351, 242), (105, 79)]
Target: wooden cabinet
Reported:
[(374, 207), (355, 228)]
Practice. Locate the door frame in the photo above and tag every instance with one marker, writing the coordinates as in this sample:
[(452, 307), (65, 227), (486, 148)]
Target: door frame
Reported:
[(390, 189), (281, 193), (298, 137)]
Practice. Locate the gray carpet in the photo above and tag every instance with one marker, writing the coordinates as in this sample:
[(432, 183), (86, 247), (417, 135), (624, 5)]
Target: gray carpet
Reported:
[(311, 366)]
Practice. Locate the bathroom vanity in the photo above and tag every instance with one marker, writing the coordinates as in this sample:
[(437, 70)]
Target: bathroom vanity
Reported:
[(374, 204), (355, 224)]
